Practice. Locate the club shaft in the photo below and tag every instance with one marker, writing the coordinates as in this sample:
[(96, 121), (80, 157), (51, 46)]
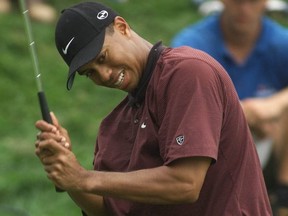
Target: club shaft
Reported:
[(41, 95), (31, 41)]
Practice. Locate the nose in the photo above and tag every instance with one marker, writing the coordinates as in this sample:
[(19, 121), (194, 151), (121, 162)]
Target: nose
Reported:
[(103, 73), (245, 6)]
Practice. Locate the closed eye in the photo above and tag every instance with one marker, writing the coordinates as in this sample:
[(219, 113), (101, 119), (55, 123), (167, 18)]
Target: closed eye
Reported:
[(87, 73), (101, 58)]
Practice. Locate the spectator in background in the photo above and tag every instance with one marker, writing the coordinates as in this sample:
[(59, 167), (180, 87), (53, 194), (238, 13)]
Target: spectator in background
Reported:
[(253, 49), (38, 9)]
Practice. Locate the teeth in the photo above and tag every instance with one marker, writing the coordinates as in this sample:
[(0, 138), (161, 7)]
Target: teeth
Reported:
[(120, 79)]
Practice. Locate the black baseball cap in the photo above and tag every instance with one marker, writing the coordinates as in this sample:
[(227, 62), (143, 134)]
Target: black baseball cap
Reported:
[(80, 34)]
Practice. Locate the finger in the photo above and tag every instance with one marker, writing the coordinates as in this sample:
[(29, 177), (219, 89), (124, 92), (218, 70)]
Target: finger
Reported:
[(58, 126), (52, 171), (50, 160), (53, 176), (37, 150), (65, 140), (50, 145), (51, 135), (48, 168), (40, 151), (62, 130), (58, 138), (44, 126), (66, 145), (37, 143), (38, 135), (42, 154)]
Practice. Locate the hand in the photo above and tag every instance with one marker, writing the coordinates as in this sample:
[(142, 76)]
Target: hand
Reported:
[(61, 165), (53, 148)]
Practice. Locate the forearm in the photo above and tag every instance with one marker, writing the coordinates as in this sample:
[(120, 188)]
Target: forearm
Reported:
[(161, 185), (265, 110), (280, 99), (91, 204), (135, 186)]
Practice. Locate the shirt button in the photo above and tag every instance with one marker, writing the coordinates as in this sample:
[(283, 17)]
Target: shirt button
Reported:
[(136, 121)]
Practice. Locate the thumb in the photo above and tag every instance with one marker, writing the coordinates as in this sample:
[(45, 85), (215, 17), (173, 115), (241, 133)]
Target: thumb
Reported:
[(54, 119), (62, 130)]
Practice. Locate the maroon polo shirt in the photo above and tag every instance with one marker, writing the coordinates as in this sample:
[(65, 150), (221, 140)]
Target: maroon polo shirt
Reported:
[(190, 109)]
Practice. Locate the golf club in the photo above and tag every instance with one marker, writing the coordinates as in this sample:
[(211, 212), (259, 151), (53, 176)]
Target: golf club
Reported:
[(41, 95)]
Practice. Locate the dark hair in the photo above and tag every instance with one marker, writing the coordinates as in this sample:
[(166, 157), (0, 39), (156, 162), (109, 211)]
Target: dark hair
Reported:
[(110, 29)]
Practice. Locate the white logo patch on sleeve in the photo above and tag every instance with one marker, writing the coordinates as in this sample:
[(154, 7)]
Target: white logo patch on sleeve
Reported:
[(180, 139)]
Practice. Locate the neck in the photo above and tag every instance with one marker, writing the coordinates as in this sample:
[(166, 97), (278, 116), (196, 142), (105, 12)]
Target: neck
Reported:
[(142, 48)]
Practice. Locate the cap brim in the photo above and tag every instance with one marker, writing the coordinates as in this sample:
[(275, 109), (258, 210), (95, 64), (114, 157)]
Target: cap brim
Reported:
[(89, 52)]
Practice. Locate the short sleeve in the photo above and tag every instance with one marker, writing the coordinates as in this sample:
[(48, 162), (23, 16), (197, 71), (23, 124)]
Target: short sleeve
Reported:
[(191, 110)]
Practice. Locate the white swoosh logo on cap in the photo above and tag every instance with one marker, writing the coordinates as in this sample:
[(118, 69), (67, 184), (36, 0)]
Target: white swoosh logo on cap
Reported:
[(67, 46)]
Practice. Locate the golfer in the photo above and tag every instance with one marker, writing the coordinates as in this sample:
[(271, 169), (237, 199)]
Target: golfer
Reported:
[(177, 145)]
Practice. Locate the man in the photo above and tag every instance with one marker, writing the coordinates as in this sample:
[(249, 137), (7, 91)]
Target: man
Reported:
[(253, 50), (178, 144)]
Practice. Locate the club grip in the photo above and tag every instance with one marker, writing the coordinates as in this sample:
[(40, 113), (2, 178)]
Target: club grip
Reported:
[(44, 107), (46, 116)]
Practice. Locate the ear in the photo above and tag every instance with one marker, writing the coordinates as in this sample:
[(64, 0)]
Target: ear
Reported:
[(122, 26)]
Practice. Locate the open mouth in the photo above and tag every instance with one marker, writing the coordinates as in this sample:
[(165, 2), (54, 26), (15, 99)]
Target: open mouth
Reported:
[(120, 79)]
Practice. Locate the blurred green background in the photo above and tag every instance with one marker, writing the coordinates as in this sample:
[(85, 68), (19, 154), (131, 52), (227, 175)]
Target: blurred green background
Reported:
[(24, 187)]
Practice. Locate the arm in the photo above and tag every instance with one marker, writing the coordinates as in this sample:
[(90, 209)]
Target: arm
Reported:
[(262, 113), (180, 182)]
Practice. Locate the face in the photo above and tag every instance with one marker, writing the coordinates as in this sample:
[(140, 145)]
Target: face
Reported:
[(243, 16), (117, 65)]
